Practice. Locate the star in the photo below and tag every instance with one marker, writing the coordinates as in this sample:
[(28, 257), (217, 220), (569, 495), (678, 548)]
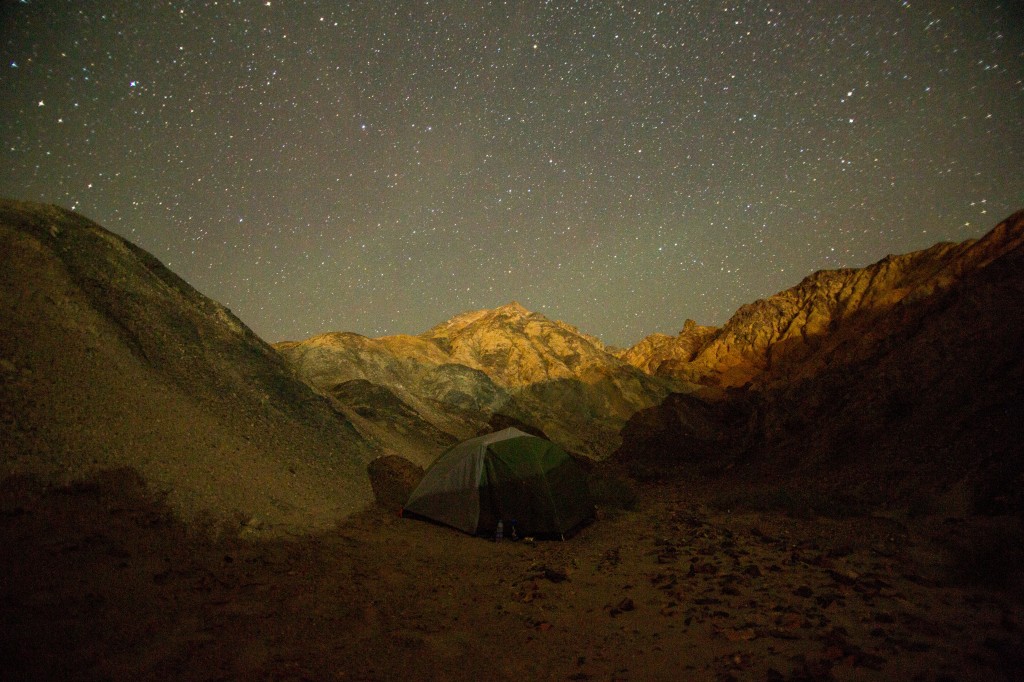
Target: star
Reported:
[(378, 168)]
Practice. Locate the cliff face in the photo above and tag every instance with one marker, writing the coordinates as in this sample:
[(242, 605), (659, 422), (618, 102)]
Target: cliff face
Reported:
[(935, 388), (519, 348), (109, 360), (898, 376), (510, 361)]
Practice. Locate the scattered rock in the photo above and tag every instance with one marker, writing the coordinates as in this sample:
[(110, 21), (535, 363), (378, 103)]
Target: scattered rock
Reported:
[(623, 606)]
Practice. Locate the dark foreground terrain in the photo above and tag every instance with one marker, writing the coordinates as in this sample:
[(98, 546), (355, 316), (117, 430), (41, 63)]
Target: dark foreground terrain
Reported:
[(99, 581)]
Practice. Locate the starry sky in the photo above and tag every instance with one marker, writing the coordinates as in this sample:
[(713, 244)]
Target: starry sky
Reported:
[(381, 166)]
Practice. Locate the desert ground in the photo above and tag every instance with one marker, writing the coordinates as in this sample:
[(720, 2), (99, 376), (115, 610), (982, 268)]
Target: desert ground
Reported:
[(100, 581)]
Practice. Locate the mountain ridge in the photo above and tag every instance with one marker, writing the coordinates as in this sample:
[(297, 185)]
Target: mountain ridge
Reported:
[(106, 310), (569, 384), (536, 370), (780, 337)]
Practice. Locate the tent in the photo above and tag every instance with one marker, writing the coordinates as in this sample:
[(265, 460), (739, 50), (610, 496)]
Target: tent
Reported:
[(507, 476)]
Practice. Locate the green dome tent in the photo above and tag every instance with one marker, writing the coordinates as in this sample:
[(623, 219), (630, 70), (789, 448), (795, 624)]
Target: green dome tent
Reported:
[(507, 476)]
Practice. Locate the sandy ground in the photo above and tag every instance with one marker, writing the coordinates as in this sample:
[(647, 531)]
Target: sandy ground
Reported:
[(99, 582)]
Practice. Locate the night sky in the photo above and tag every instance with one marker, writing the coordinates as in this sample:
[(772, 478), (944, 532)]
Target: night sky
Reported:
[(379, 167)]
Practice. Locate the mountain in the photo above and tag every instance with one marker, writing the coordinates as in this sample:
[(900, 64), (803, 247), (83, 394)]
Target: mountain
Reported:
[(565, 381), (904, 379), (461, 373), (110, 361), (831, 317)]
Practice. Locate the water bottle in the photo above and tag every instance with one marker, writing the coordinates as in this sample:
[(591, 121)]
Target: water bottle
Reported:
[(499, 532)]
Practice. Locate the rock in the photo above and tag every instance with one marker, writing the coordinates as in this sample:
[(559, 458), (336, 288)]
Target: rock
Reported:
[(752, 571), (844, 577), (393, 479), (685, 429), (669, 355), (623, 606), (744, 635), (554, 575), (906, 372)]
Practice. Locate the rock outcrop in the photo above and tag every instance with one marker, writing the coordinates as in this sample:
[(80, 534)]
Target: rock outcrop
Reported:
[(393, 478), (110, 361), (659, 354), (403, 393), (565, 381)]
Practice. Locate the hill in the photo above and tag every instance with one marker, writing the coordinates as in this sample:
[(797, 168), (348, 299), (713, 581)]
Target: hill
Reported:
[(458, 376), (110, 361)]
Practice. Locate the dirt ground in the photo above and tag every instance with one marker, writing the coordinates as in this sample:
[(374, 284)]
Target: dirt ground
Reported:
[(101, 582)]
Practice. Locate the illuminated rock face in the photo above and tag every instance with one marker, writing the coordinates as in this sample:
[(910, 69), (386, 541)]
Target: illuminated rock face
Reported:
[(847, 359), (833, 317), (908, 370), (661, 354), (506, 361), (110, 361)]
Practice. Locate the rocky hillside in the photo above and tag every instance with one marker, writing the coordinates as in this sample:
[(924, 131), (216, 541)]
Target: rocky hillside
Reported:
[(566, 381), (901, 380), (832, 317), (461, 373), (110, 361), (658, 353), (402, 392)]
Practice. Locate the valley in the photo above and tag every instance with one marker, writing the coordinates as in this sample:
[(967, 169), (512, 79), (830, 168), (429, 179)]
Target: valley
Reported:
[(828, 486)]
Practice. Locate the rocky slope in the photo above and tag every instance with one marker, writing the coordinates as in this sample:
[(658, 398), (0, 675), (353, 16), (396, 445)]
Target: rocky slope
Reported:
[(902, 380), (565, 381), (95, 588), (401, 392), (658, 353), (110, 361), (831, 317), (459, 374)]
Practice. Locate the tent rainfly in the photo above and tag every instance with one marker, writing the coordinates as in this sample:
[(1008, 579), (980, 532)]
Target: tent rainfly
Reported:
[(507, 476)]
